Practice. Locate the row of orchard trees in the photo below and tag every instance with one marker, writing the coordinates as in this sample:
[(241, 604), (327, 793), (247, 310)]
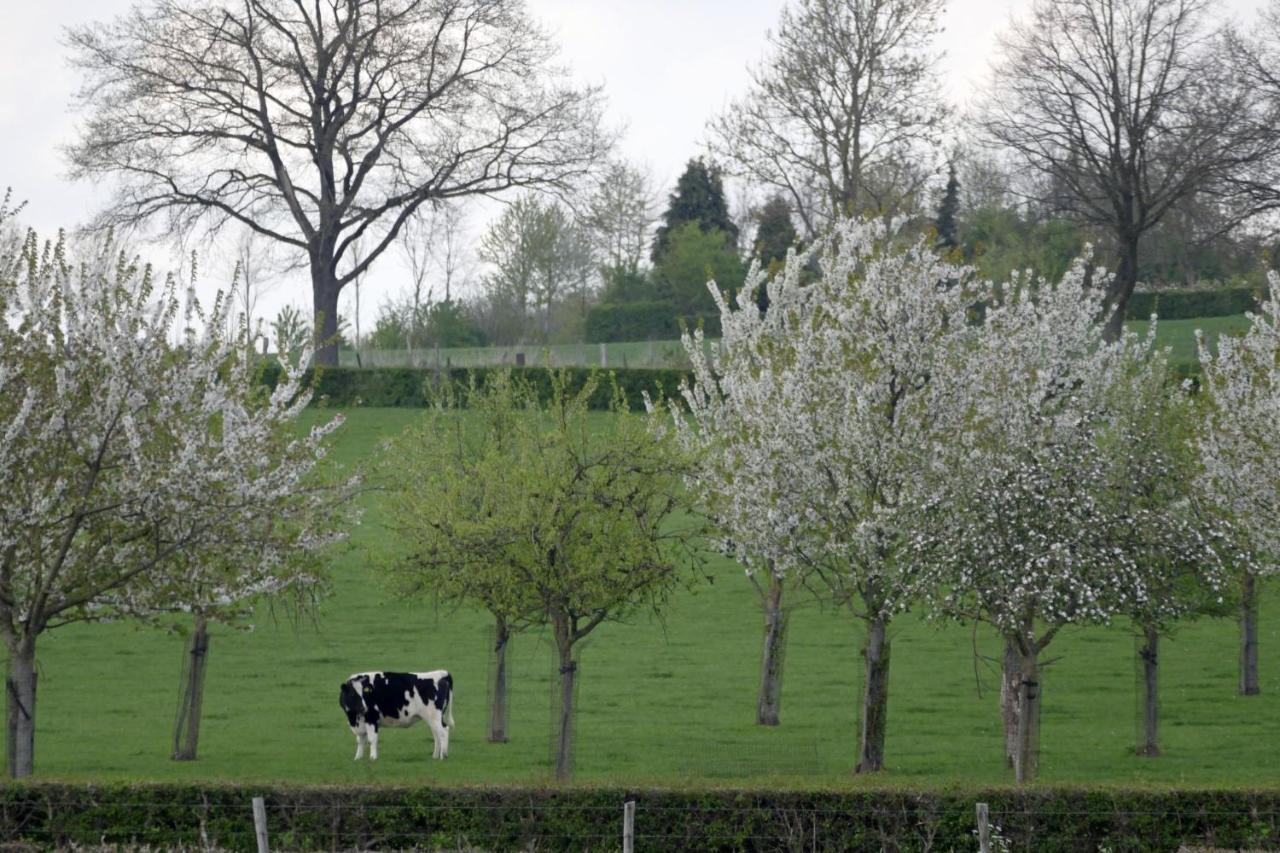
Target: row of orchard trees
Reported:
[(896, 433), (144, 477)]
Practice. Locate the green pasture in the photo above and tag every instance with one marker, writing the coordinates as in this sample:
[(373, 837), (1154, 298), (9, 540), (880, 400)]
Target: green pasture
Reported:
[(667, 702), (1178, 334)]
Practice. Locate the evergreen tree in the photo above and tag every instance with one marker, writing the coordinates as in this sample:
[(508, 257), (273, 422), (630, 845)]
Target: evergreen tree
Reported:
[(699, 197), (947, 210), (775, 233)]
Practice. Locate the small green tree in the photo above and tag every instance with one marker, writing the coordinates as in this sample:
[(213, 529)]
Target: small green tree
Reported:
[(542, 515), (948, 207), (698, 198), (694, 257)]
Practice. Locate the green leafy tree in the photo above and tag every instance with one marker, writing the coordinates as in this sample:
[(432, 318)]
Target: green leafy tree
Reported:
[(699, 198), (549, 516), (693, 258)]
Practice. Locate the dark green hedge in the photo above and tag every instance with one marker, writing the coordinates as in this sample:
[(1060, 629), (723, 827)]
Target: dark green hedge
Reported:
[(644, 321), (408, 386), (1189, 304), (369, 818)]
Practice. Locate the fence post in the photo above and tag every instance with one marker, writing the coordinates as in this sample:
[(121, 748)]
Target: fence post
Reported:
[(629, 826), (984, 829), (260, 824), (604, 354)]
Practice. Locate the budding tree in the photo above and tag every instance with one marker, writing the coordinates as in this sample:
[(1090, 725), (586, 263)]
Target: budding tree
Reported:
[(545, 515), (1127, 108), (846, 99), (319, 125), (130, 464), (810, 423), (1241, 449)]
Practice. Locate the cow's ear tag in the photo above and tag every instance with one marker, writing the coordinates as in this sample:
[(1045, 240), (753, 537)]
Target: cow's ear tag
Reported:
[(367, 688)]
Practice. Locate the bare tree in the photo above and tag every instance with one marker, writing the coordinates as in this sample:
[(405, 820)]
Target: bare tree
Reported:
[(320, 124), (620, 214), (848, 90), (1126, 108), (432, 244)]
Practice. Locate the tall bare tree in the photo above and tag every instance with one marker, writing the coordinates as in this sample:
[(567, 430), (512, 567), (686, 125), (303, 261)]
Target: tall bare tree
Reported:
[(1126, 108), (848, 90), (318, 124), (620, 214)]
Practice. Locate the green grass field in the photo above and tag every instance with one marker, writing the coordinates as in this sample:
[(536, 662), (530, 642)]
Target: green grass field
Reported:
[(662, 703)]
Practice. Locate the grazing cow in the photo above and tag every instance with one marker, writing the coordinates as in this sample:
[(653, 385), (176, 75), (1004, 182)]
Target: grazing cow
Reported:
[(398, 699)]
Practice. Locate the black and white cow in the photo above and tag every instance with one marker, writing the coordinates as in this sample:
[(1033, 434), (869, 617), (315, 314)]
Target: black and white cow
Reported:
[(398, 699)]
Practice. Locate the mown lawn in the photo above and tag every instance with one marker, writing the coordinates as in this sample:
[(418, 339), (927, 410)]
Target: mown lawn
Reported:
[(666, 702)]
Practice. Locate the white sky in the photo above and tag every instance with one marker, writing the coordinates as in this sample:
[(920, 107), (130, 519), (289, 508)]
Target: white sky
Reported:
[(667, 66)]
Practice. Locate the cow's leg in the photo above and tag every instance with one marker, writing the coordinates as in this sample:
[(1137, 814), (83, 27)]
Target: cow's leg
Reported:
[(439, 734), (371, 732), (358, 731)]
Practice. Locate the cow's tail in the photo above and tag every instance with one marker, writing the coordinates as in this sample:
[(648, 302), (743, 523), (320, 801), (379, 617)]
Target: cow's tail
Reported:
[(446, 695)]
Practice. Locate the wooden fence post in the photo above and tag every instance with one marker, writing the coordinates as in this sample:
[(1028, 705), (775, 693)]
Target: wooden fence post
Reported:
[(984, 829), (604, 354), (629, 826), (260, 824)]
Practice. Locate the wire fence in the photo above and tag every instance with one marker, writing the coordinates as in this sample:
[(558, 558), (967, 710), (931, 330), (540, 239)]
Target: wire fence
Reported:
[(652, 354), (864, 821)]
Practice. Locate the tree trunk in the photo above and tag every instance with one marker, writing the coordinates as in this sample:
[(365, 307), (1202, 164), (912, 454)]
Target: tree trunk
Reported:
[(1121, 287), (498, 710), (324, 294), (564, 726), (769, 700), (1011, 679), (1249, 685), (1148, 745), (186, 728), (20, 696), (875, 697), (1027, 760)]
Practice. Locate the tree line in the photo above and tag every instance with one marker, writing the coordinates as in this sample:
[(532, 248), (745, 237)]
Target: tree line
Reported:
[(333, 134)]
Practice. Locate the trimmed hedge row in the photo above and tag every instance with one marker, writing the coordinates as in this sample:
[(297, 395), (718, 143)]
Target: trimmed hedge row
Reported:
[(409, 386), (1190, 304), (377, 818)]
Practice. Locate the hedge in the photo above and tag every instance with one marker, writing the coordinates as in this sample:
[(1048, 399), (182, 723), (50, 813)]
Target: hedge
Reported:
[(432, 818), (1190, 304), (411, 386), (644, 321)]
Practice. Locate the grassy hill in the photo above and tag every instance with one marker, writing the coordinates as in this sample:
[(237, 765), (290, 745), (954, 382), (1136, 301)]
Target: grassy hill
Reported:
[(668, 702)]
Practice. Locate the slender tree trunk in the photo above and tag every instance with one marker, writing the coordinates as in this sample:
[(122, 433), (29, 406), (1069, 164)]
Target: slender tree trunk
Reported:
[(1010, 684), (1121, 287), (186, 729), (1027, 760), (498, 711), (1149, 745), (875, 697), (564, 726), (324, 293), (1249, 685), (20, 696), (769, 700)]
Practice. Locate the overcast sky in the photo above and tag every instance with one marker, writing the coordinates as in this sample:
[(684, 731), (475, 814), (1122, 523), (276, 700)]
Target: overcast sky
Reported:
[(667, 66)]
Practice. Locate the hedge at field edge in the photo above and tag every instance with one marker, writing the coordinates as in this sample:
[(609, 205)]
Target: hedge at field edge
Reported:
[(325, 818), (398, 387)]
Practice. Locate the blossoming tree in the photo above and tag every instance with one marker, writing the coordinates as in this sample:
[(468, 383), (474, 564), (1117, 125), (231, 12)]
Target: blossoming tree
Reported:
[(1032, 526), (810, 422), (1241, 449), (133, 467)]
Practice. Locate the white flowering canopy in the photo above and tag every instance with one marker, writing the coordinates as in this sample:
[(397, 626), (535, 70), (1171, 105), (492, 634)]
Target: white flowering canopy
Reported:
[(141, 474), (814, 419), (1036, 522), (1241, 442)]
